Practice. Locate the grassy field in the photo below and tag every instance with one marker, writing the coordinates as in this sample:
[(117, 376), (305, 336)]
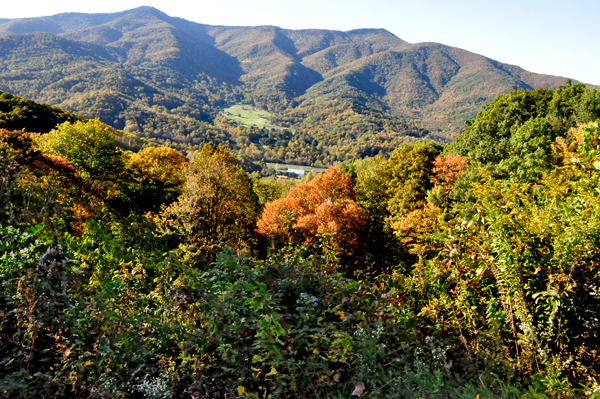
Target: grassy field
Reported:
[(247, 115), (284, 167)]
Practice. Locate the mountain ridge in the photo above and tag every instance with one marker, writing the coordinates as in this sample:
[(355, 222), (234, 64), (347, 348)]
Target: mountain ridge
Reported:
[(146, 72)]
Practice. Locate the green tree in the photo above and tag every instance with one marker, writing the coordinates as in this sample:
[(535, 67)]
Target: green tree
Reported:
[(410, 169), (371, 179), (486, 139), (530, 150), (269, 189), (90, 147), (574, 104)]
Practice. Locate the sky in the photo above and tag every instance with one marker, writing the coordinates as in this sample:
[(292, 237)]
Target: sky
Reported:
[(554, 37)]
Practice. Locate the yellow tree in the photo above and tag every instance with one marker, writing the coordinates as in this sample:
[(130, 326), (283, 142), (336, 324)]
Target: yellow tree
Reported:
[(218, 207), (155, 178)]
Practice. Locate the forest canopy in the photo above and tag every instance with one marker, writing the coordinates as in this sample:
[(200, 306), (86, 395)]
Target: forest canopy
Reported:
[(469, 270)]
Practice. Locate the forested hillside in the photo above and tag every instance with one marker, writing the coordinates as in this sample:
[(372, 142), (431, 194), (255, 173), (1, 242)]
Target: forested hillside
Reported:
[(464, 271), (18, 113), (356, 93)]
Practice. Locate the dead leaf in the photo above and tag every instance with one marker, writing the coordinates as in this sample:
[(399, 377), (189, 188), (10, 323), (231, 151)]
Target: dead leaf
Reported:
[(359, 389)]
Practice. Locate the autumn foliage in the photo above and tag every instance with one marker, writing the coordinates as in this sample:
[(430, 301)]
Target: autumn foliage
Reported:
[(22, 149), (322, 211), (464, 271), (218, 207), (161, 164), (446, 170)]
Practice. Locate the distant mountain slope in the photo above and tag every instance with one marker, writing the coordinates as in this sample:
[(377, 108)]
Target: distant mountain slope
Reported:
[(158, 76), (434, 83)]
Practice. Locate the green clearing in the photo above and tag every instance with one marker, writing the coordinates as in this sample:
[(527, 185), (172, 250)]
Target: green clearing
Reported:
[(284, 167), (247, 115)]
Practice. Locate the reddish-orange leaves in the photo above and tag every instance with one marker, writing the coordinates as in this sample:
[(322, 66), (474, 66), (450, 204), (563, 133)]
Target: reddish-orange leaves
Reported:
[(446, 170), (23, 149), (325, 207)]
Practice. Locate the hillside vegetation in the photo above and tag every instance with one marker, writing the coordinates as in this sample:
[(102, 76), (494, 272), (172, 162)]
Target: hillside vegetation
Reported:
[(19, 113), (465, 271), (356, 93)]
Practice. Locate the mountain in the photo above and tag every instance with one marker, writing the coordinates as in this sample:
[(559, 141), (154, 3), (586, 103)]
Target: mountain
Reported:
[(364, 91)]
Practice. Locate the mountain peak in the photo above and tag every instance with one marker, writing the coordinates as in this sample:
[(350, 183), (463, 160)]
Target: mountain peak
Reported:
[(73, 21), (148, 10), (143, 59), (371, 31)]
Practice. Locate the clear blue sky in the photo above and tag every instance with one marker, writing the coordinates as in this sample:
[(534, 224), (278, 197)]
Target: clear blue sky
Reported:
[(552, 36)]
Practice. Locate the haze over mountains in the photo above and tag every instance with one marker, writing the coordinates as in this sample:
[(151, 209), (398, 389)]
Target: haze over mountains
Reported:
[(163, 77)]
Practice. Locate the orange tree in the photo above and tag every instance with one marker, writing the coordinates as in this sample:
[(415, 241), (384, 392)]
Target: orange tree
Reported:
[(321, 215)]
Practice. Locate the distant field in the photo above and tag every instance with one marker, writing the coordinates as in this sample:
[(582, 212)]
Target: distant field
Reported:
[(247, 115), (284, 167)]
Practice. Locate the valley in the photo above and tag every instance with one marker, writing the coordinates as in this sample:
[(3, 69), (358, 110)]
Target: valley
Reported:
[(348, 94)]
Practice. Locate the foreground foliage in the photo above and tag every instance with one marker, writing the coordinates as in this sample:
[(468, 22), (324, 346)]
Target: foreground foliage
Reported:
[(459, 272), (88, 317)]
